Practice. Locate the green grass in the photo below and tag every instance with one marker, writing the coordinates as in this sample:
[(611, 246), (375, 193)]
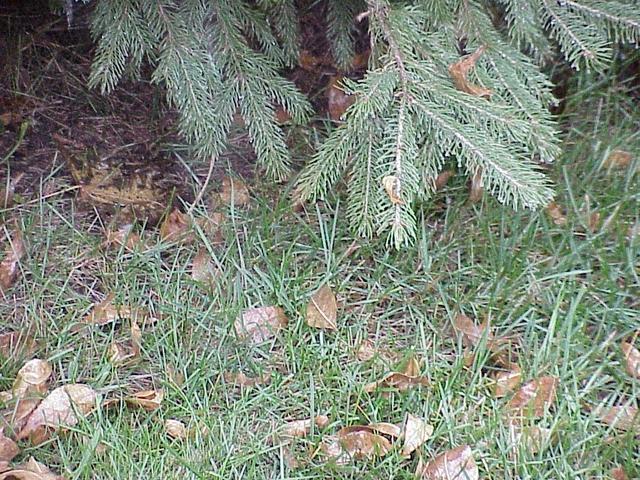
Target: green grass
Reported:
[(569, 294)]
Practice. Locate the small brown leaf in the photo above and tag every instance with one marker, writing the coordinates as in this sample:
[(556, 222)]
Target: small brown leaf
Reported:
[(456, 464), (147, 399), (234, 192), (176, 227), (367, 351), (555, 213), (396, 381), (534, 397), (459, 72), (203, 268), (386, 428), (176, 429), (471, 333), (476, 190), (393, 187), (352, 443), (121, 353), (32, 470), (593, 221), (412, 367), (337, 100), (9, 267), (241, 380), (618, 159), (618, 473), (301, 428), (507, 381), (443, 179), (8, 448), (632, 359), (282, 116), (124, 237), (106, 312), (532, 438), (322, 309), (416, 432), (15, 344), (31, 379), (259, 324), (625, 418), (61, 408)]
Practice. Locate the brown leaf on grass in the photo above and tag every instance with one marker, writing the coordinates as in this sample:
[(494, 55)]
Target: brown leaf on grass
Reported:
[(385, 428), (618, 473), (412, 366), (354, 443), (301, 428), (367, 351), (176, 429), (593, 221), (15, 344), (476, 190), (31, 470), (106, 312), (31, 379), (471, 333), (8, 448), (632, 359), (618, 159), (203, 268), (124, 237), (624, 417), (442, 179), (234, 192), (9, 267), (16, 417), (459, 72), (322, 309), (532, 439), (396, 381), (259, 324), (176, 227), (120, 353), (147, 399), (505, 382), (63, 407), (416, 432), (337, 100), (282, 116), (555, 213), (534, 397), (393, 187), (456, 464), (241, 380)]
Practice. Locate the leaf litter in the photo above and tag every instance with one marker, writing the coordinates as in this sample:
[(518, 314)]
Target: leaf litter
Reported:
[(455, 464), (322, 309), (260, 324)]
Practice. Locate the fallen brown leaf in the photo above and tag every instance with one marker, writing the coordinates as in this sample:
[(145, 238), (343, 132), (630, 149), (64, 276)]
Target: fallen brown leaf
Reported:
[(106, 312), (393, 187), (9, 267), (259, 324), (147, 399), (555, 213), (322, 309), (443, 178), (367, 351), (301, 428), (456, 464), (120, 353), (532, 438), (506, 381), (476, 190), (411, 366), (618, 473), (203, 268), (625, 418), (176, 429), (618, 159), (176, 227), (31, 470), (337, 100), (396, 381), (15, 344), (124, 237), (459, 72), (241, 380), (234, 191), (350, 444), (61, 408), (386, 428), (416, 432), (534, 397), (632, 359), (8, 448), (31, 379)]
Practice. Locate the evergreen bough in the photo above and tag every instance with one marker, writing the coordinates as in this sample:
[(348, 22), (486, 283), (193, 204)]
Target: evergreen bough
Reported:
[(456, 79)]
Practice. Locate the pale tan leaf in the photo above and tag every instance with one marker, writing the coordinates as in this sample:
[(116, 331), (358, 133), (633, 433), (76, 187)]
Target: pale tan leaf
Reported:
[(471, 333), (632, 359), (31, 379), (555, 213), (8, 448), (10, 264), (203, 268), (393, 187), (416, 432), (31, 470), (147, 399), (124, 237), (259, 324), (322, 309), (534, 397), (618, 473), (386, 428), (396, 381), (176, 429), (506, 381), (532, 439), (337, 100), (412, 367), (476, 191), (367, 351), (456, 464), (121, 353), (241, 380), (618, 159), (234, 191), (350, 444), (459, 72), (136, 338), (16, 417), (625, 418), (176, 227), (106, 312), (442, 179), (63, 407), (301, 428)]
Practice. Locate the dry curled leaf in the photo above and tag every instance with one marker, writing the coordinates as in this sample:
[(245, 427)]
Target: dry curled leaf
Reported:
[(176, 227), (459, 72), (31, 470), (476, 190), (386, 428), (301, 428), (618, 473), (396, 381), (337, 100), (456, 464), (203, 268), (350, 444), (8, 448), (632, 359), (367, 351), (9, 266), (506, 382), (322, 309), (120, 353), (234, 192), (442, 179), (534, 397), (471, 333), (259, 324), (124, 237), (31, 379), (532, 439), (618, 159), (106, 312), (241, 380), (416, 432), (63, 407), (555, 213), (147, 399), (16, 344), (176, 429), (625, 417), (393, 187)]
